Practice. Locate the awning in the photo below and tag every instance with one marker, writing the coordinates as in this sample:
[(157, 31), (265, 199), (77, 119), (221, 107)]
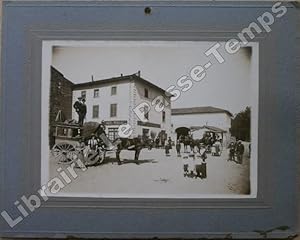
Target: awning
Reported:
[(208, 128)]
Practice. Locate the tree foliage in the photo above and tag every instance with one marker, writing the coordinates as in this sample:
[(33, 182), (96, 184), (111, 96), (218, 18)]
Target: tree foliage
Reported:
[(240, 125)]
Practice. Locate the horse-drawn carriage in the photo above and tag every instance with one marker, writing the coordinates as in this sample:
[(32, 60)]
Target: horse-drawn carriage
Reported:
[(72, 143)]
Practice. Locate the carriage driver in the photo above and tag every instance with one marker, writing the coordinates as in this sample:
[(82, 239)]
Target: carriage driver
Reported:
[(100, 132), (93, 143)]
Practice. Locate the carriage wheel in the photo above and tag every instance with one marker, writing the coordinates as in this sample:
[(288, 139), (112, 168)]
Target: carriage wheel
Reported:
[(94, 157), (63, 153)]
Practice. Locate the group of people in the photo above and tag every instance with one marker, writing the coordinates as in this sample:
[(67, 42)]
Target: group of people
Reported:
[(80, 108), (212, 143), (159, 142), (97, 141), (236, 152), (194, 164)]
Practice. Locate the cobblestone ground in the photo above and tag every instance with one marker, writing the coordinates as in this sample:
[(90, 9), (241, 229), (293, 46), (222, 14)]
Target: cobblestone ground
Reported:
[(158, 175)]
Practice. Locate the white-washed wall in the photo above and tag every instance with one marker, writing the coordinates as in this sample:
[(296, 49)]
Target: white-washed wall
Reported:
[(220, 120), (154, 116), (122, 99)]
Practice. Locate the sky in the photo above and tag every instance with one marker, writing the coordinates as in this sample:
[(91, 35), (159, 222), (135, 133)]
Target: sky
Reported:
[(225, 86)]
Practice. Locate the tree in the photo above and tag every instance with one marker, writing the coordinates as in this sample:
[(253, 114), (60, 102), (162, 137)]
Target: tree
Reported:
[(240, 125)]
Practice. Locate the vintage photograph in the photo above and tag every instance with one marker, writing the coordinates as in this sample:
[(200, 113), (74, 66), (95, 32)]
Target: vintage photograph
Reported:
[(149, 119)]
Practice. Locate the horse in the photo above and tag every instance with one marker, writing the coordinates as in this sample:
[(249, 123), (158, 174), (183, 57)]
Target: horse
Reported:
[(186, 142), (119, 144), (134, 144)]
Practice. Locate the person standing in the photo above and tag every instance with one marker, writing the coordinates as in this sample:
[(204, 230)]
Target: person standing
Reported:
[(167, 150), (198, 165), (157, 142), (249, 149), (240, 152), (163, 140), (186, 143), (82, 112), (185, 161), (77, 107), (203, 168), (170, 143), (231, 151), (192, 144), (217, 146), (178, 148)]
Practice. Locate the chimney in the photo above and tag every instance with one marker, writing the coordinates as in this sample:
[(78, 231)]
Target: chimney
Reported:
[(139, 73), (121, 74), (92, 78)]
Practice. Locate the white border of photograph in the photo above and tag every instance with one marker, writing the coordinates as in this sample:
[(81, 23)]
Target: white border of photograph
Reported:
[(45, 91)]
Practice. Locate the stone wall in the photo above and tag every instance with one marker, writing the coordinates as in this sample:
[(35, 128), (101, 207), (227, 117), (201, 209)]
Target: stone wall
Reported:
[(60, 99)]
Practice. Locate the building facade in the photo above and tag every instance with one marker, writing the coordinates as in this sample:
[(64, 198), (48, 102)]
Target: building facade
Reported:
[(113, 100), (197, 120), (60, 99)]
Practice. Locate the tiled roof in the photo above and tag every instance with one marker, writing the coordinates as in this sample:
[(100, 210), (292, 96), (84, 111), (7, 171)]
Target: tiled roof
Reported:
[(199, 110), (136, 77)]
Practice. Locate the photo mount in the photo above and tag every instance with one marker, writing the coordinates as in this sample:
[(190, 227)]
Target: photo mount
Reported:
[(277, 184)]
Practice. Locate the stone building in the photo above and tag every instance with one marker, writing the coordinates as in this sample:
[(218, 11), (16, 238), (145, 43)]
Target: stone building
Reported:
[(197, 120), (113, 100), (60, 100)]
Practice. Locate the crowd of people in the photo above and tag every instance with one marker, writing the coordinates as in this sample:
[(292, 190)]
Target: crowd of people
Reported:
[(194, 152), (212, 143)]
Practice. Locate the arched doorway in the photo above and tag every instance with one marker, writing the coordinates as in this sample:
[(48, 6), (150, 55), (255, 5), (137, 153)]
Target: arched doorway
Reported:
[(182, 131)]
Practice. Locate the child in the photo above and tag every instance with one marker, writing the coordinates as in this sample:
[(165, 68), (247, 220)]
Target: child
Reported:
[(167, 150), (198, 162), (81, 150), (178, 148), (185, 165), (203, 170), (191, 163)]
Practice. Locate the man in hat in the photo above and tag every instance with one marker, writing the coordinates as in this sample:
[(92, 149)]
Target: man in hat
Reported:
[(82, 112), (100, 133), (77, 107), (93, 143)]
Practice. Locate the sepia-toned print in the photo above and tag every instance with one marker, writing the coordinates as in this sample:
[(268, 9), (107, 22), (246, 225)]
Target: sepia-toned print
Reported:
[(149, 119)]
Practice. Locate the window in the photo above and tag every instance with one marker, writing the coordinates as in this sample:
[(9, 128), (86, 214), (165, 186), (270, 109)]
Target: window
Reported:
[(114, 90), (113, 110), (96, 93), (112, 133), (146, 93), (96, 111), (146, 112), (83, 94), (163, 116)]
